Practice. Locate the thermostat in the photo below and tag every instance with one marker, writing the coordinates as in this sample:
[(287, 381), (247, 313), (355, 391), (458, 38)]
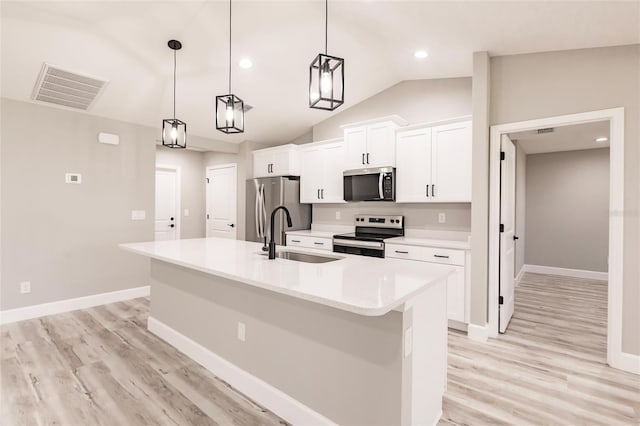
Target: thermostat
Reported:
[(73, 178)]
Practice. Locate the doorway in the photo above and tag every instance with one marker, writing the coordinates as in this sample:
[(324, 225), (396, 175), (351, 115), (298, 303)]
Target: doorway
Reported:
[(615, 118), (167, 211), (221, 215)]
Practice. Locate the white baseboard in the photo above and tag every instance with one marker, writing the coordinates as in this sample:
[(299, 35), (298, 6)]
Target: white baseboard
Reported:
[(478, 333), (261, 392), (520, 274), (576, 273), (58, 307), (627, 362)]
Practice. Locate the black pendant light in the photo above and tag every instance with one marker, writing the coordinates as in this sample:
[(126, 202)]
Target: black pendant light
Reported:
[(229, 108), (326, 76), (174, 131)]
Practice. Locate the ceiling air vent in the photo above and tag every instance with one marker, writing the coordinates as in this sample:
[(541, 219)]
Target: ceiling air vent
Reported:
[(67, 88), (545, 130)]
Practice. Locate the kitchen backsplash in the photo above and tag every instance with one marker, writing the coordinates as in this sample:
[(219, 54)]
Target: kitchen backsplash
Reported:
[(420, 216)]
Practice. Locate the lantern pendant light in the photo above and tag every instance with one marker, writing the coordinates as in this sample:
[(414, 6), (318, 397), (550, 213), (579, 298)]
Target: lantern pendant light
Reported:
[(326, 76), (174, 131), (229, 108)]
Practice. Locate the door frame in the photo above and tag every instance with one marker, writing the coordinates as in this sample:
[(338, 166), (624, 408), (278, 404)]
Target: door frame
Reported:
[(206, 194), (615, 116), (178, 173)]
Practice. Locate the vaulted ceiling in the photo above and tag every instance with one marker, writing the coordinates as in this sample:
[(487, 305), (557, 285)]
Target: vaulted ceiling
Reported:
[(126, 44)]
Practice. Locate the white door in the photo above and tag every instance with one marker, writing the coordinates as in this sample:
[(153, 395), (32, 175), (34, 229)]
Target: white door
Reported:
[(451, 180), (413, 162), (381, 145), (221, 201), (167, 204), (355, 141), (507, 228)]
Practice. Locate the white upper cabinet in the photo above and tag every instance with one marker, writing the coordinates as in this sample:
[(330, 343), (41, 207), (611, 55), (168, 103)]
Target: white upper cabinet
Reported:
[(371, 144), (321, 172), (451, 150), (281, 160), (434, 164)]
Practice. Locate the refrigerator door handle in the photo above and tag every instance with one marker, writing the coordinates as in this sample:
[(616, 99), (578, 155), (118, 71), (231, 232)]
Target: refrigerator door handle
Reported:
[(263, 212), (256, 207)]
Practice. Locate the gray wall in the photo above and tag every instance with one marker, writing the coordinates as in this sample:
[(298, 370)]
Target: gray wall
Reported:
[(417, 101), (192, 187), (63, 237), (521, 216), (530, 86), (568, 209)]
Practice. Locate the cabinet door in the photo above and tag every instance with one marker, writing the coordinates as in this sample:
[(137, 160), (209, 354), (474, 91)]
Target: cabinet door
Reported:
[(381, 145), (261, 163), (311, 174), (451, 150), (413, 166), (281, 162), (355, 141), (455, 295), (331, 187)]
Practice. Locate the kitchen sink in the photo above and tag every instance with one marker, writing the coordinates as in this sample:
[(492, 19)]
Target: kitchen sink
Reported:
[(303, 257)]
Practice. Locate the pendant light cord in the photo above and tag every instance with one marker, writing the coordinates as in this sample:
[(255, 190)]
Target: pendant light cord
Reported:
[(174, 84), (229, 46), (326, 24)]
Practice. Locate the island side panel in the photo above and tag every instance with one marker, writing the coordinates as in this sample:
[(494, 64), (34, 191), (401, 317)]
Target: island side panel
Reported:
[(344, 366)]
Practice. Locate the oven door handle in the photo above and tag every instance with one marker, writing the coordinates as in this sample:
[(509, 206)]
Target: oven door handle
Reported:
[(380, 180), (355, 243)]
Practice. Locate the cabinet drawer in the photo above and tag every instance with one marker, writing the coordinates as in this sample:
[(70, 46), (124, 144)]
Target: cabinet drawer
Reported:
[(448, 256), (400, 251), (310, 242)]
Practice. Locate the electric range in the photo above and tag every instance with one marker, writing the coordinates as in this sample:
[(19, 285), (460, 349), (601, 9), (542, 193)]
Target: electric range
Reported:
[(371, 231)]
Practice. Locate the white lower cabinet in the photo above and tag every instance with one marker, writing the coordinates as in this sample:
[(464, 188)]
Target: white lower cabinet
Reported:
[(457, 283), (305, 241)]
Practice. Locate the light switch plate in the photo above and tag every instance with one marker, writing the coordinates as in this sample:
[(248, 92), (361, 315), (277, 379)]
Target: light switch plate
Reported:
[(186, 212), (338, 215), (442, 218), (138, 215), (241, 331)]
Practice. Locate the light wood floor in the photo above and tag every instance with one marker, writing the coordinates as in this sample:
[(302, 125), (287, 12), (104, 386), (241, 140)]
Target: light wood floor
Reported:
[(101, 366), (548, 368)]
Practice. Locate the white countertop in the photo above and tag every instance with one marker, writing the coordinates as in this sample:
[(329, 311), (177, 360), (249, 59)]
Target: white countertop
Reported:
[(359, 284)]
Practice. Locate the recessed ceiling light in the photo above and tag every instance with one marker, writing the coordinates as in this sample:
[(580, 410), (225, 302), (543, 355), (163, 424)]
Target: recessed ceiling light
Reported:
[(602, 139), (420, 54), (245, 63)]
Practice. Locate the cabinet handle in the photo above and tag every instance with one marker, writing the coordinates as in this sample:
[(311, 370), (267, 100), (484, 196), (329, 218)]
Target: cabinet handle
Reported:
[(295, 241), (322, 193), (318, 244), (401, 252), (367, 158), (363, 158), (318, 194), (441, 256), (433, 190), (427, 191)]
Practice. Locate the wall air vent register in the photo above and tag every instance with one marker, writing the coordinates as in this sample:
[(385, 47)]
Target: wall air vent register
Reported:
[(67, 88)]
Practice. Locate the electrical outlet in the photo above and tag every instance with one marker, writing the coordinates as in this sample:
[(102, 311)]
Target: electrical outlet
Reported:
[(25, 287), (241, 331), (442, 218), (338, 216), (186, 212)]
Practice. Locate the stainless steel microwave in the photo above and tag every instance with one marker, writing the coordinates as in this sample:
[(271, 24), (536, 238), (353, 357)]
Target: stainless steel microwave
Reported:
[(374, 184)]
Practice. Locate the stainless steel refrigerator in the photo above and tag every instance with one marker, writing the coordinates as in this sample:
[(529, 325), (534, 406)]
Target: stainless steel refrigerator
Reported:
[(265, 194)]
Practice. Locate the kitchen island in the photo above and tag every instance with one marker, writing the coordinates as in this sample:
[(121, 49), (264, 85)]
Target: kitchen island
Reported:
[(353, 341)]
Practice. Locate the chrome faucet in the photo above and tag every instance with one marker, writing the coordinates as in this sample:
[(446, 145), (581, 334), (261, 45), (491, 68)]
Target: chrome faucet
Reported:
[(272, 243)]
